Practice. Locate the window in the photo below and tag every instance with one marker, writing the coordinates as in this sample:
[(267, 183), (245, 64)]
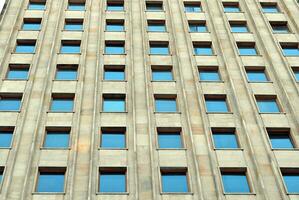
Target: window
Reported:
[(291, 180), (62, 103), (31, 24), (1, 174), (235, 181), (70, 46), (36, 5), (174, 180), (269, 8), (192, 7), (280, 27), (267, 104), (113, 180), (256, 75), (208, 74), (225, 139), (114, 103), (113, 138), (115, 25), (159, 48), (25, 46), (115, 47), (57, 137), (231, 7), (66, 72), (296, 73), (239, 27), (197, 27), (6, 134), (10, 102), (203, 49), (280, 138), (165, 103), (169, 138), (154, 6), (114, 73), (290, 49), (73, 25), (216, 103), (156, 26), (247, 49), (50, 179), (162, 73), (17, 72), (115, 6), (76, 6)]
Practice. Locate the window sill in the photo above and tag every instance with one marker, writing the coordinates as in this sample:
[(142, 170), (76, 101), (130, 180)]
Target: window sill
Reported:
[(62, 112), (161, 81), (74, 80), (11, 79), (277, 33), (219, 113), (82, 30), (112, 149), (60, 53), (122, 31), (48, 193), (56, 148), (118, 112), (117, 54), (275, 113), (22, 53), (212, 55), (115, 11), (176, 149), (75, 10), (240, 193), (28, 30), (292, 56), (7, 148), (257, 55), (220, 81), (155, 11), (285, 149), (157, 31), (260, 81), (242, 32), (234, 12), (157, 112), (112, 193), (35, 9), (115, 81), (150, 54), (176, 193), (228, 149), (193, 12), (14, 111)]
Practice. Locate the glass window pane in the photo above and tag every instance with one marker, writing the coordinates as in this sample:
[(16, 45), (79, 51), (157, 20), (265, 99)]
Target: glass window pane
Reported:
[(114, 105), (280, 28), (1, 177), (291, 182), (112, 182), (245, 51), (235, 183), (113, 140), (154, 7), (50, 182), (166, 105), (10, 104), (114, 49), (114, 75), (62, 105), (170, 140), (114, 27), (25, 48), (225, 140), (281, 141), (57, 139), (207, 75), (192, 8), (270, 9), (268, 106), (36, 6), (236, 28), (203, 51), (156, 28), (76, 6), (70, 49), (159, 50), (296, 72), (231, 8), (291, 51), (115, 7), (174, 182), (66, 74), (5, 139), (256, 76), (31, 26), (17, 73), (158, 75), (197, 28), (73, 26), (217, 105)]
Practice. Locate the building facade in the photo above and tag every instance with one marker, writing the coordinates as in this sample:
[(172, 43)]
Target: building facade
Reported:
[(149, 100)]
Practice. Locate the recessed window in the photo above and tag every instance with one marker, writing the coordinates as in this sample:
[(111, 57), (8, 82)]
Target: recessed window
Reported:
[(114, 73), (36, 5), (17, 72), (70, 46), (239, 27), (114, 103), (154, 6), (291, 49), (115, 6), (197, 27), (6, 134), (115, 47), (73, 25), (113, 138), (231, 7), (25, 46), (115, 25), (291, 180), (162, 73), (269, 8), (66, 72), (192, 7), (267, 104), (174, 180), (156, 26), (256, 75), (208, 74), (76, 6), (57, 137), (165, 103), (280, 138), (159, 48), (203, 49), (225, 139), (296, 73), (247, 49), (31, 24), (50, 180), (169, 138), (216, 103), (10, 102), (235, 181), (1, 174), (280, 27), (62, 103), (112, 180)]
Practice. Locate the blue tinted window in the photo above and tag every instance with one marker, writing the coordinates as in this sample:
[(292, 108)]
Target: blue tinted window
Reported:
[(57, 139), (114, 105), (169, 140), (115, 26), (25, 48), (66, 74), (1, 176), (114, 49), (225, 140), (17, 73), (5, 138), (10, 104), (216, 105), (154, 7), (231, 8), (270, 9), (256, 76), (280, 28), (36, 6), (296, 72), (50, 182), (76, 6), (268, 106), (235, 182), (31, 26), (73, 26), (192, 8), (115, 7), (70, 48), (112, 182), (113, 139), (290, 51), (203, 50), (114, 74), (156, 27), (174, 182), (197, 28), (247, 50), (62, 105), (166, 105), (281, 141), (291, 181), (162, 75), (239, 28), (209, 75), (159, 50)]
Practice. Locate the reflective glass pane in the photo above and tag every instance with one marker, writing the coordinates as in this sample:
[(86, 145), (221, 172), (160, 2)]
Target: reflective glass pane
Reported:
[(268, 106), (73, 26), (1, 176), (225, 140), (291, 51), (24, 48), (197, 28), (296, 72), (270, 9), (50, 182), (159, 50), (169, 140), (235, 183), (114, 75), (174, 182), (17, 73), (70, 49), (256, 76), (36, 6), (5, 139), (239, 28), (115, 7), (31, 26), (162, 75), (192, 8), (156, 28), (203, 51), (280, 28), (66, 74), (114, 49), (247, 51), (281, 141), (114, 105), (113, 140), (114, 27), (112, 182), (57, 139), (154, 7), (166, 105), (291, 181), (217, 105), (10, 104), (209, 75), (232, 8), (76, 6), (62, 105)]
